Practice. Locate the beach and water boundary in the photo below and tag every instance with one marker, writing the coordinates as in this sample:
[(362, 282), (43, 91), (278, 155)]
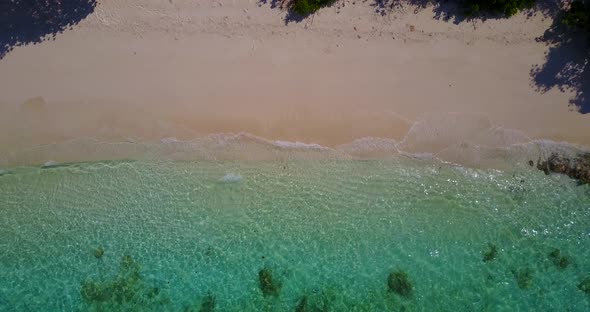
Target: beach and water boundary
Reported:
[(469, 140), (203, 155)]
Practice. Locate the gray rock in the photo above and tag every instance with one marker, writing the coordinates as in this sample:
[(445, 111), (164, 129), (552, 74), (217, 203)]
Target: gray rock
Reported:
[(576, 168)]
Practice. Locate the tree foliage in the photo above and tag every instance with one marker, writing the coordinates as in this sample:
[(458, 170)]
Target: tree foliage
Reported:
[(307, 7), (498, 7), (578, 16)]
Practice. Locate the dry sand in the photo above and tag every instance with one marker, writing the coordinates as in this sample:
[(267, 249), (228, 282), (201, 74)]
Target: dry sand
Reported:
[(154, 69)]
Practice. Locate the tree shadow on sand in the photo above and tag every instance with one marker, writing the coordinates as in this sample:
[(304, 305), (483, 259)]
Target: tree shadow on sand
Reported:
[(567, 64), (453, 11), (274, 4), (443, 10), (32, 21)]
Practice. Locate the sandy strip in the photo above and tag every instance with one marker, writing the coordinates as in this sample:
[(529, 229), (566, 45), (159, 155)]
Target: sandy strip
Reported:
[(155, 69)]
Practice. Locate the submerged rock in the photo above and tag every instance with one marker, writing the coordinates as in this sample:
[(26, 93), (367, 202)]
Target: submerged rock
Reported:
[(559, 260), (491, 253), (302, 305), (524, 278), (208, 304), (585, 285), (99, 252), (124, 291), (576, 168), (268, 285), (95, 292), (399, 283)]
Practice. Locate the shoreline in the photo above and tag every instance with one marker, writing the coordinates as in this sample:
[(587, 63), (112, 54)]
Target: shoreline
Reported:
[(488, 153)]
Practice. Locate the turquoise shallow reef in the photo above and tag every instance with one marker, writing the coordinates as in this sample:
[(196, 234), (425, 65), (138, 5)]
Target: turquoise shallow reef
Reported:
[(292, 235)]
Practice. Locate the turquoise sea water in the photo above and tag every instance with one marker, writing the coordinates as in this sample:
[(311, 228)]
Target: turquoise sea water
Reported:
[(179, 234)]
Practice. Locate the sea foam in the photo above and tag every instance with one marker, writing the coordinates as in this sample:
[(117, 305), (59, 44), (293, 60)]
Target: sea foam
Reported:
[(231, 178), (298, 145), (465, 139), (50, 164)]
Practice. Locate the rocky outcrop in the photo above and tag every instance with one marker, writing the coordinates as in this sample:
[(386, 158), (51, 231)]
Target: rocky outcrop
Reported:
[(576, 168)]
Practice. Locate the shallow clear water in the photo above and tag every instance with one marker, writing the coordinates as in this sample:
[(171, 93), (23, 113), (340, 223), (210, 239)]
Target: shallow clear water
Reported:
[(331, 230)]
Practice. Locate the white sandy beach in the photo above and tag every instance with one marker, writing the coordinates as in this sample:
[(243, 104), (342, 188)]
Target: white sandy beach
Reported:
[(154, 69)]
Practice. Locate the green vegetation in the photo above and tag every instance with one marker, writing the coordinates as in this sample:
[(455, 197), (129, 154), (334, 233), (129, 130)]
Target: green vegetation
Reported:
[(585, 285), (498, 7), (208, 304), (127, 288), (99, 252), (491, 253), (302, 305), (307, 7), (399, 283), (268, 285), (325, 301), (471, 7), (318, 302), (558, 259), (578, 16), (524, 278)]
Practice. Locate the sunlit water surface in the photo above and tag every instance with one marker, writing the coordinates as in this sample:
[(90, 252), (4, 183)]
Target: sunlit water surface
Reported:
[(170, 236)]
